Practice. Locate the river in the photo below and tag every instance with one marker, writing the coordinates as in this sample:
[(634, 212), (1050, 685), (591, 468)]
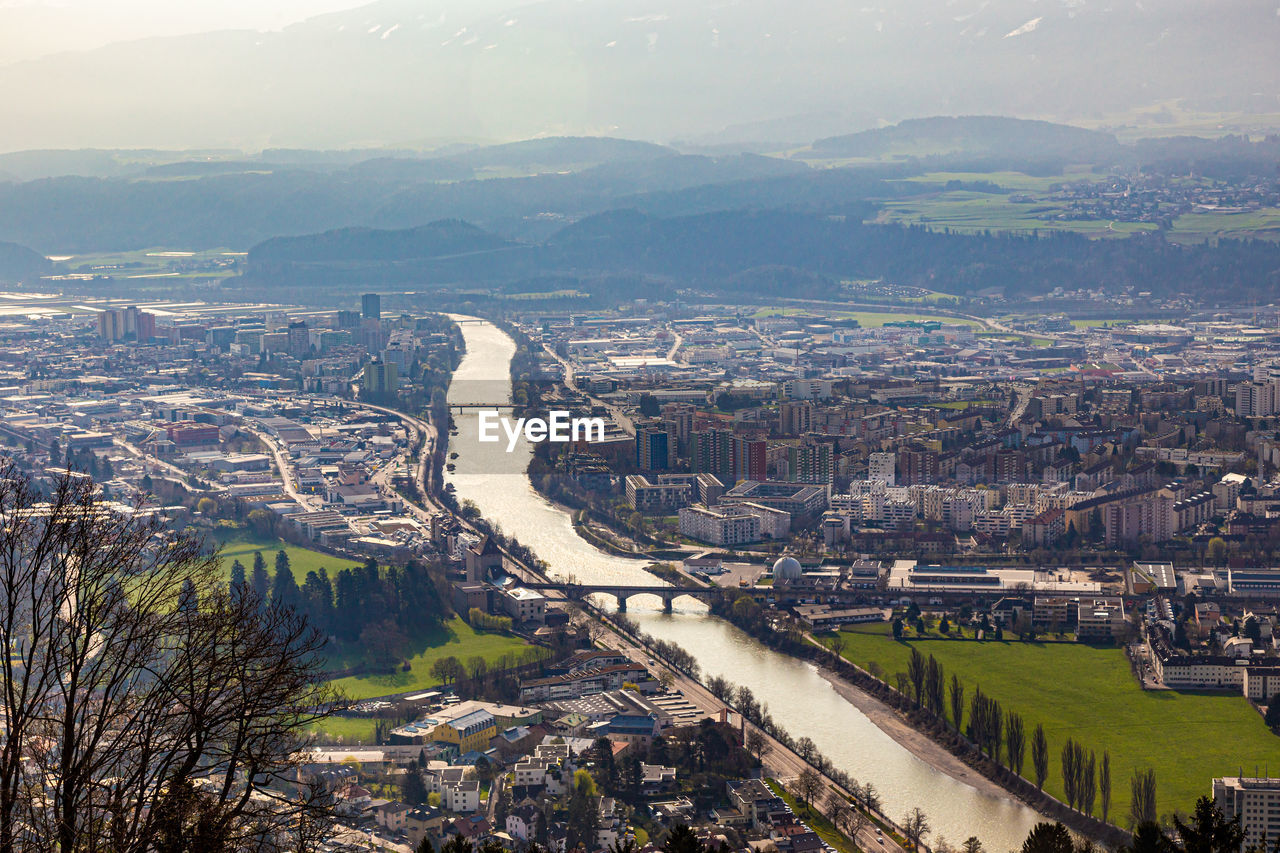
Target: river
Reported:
[(797, 695)]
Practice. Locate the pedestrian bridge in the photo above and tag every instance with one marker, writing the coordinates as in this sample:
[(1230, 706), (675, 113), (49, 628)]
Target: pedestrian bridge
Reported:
[(622, 592)]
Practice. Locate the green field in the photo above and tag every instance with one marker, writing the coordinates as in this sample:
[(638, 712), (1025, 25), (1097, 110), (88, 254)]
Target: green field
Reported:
[(240, 545), (155, 262), (350, 731), (867, 319), (969, 212), (1089, 694), (454, 638), (1008, 180), (1263, 224)]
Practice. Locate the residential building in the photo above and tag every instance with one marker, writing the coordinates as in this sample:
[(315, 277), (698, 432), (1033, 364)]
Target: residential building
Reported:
[(1256, 802)]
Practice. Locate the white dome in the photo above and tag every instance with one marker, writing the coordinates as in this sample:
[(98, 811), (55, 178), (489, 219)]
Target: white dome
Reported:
[(787, 568)]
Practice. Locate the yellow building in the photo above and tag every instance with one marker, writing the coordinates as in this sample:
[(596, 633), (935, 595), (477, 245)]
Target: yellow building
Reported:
[(471, 732)]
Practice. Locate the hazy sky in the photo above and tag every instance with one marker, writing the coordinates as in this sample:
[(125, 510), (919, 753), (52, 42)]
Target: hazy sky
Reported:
[(31, 28)]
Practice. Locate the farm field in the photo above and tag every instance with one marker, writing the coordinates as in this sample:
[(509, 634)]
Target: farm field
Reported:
[(968, 212)]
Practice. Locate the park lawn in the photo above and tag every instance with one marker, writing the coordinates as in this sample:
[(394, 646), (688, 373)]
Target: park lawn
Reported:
[(241, 544), (817, 821), (350, 731), (454, 638), (1089, 694)]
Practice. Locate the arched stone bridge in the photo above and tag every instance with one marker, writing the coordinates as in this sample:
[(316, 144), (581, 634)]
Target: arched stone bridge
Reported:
[(622, 592)]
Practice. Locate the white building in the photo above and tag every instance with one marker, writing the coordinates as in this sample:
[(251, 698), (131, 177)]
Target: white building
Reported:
[(524, 605), (1255, 801), (463, 797), (881, 467), (724, 526)]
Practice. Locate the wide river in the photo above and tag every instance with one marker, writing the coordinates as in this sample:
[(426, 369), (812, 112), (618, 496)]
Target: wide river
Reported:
[(797, 696)]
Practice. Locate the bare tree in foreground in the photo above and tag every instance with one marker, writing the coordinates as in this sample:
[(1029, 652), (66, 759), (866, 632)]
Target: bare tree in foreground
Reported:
[(143, 701)]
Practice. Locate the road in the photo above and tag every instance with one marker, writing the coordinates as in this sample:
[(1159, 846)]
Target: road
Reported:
[(495, 793), (619, 416), (780, 762), (675, 347), (418, 428), (285, 467), (157, 464)]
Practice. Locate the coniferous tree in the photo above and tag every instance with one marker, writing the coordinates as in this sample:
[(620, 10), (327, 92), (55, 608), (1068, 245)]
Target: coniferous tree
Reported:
[(1104, 785), (237, 578), (1015, 741), (1048, 838), (284, 589), (1040, 756), (957, 702), (260, 580)]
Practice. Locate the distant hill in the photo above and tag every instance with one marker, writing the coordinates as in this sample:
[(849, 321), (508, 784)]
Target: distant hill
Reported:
[(974, 135), (765, 252), (410, 170), (18, 263), (563, 151), (437, 239)]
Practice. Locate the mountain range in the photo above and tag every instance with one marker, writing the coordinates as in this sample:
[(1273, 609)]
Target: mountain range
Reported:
[(422, 72)]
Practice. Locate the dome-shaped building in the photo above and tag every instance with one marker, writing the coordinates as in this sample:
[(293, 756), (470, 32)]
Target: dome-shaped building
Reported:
[(787, 569)]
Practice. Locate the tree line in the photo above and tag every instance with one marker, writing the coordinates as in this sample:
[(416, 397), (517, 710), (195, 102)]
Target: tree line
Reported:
[(382, 609), (1001, 735)]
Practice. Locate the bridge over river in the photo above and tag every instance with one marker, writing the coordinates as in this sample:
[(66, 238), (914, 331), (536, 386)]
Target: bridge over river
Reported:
[(621, 592)]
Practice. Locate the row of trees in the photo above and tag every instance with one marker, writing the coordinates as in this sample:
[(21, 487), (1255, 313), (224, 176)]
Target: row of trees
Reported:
[(1001, 735)]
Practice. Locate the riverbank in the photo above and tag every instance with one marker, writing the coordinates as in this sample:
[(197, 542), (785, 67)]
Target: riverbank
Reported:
[(948, 753), (912, 739)]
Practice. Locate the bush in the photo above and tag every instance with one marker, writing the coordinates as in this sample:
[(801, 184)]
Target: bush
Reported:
[(482, 621)]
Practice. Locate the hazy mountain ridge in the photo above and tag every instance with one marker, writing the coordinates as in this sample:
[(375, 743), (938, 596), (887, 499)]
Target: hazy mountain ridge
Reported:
[(436, 239), (283, 193), (977, 135), (18, 263), (240, 209), (394, 71), (792, 252)]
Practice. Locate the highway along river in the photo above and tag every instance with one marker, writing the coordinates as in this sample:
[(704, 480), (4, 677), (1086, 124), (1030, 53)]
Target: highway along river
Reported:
[(797, 696)]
